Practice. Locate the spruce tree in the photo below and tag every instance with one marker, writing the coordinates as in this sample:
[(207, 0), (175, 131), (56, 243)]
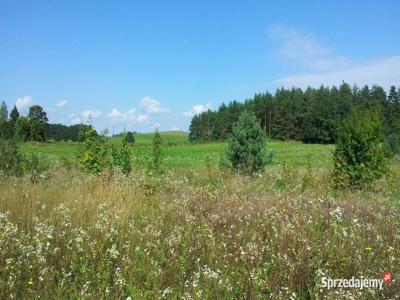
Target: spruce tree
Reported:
[(246, 149)]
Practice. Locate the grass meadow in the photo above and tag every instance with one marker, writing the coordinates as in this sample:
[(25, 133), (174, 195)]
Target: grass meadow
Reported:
[(197, 230)]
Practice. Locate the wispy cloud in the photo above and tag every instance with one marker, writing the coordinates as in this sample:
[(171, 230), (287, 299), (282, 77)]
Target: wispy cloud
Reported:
[(151, 105), (306, 50), (62, 103), (130, 116), (322, 65), (23, 103), (385, 72), (197, 109)]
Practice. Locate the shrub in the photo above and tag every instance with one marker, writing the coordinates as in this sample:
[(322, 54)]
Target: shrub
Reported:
[(121, 158), (35, 167), (129, 138), (359, 158), (93, 158), (11, 159), (246, 148), (157, 151)]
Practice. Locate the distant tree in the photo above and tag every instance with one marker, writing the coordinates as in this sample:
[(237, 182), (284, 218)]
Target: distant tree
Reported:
[(392, 113), (3, 111), (14, 115), (246, 146), (359, 157), (6, 130), (22, 129), (129, 138), (38, 120), (312, 116), (157, 151), (37, 113)]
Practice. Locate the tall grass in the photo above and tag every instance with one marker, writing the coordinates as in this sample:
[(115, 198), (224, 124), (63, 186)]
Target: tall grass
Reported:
[(195, 235)]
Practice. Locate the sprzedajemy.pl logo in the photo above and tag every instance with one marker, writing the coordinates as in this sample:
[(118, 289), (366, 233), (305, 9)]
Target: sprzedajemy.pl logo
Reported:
[(360, 283)]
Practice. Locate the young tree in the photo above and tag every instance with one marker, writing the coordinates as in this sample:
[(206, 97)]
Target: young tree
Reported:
[(22, 129), (129, 138), (14, 115), (157, 151), (359, 157), (93, 158), (121, 158), (246, 149), (3, 111)]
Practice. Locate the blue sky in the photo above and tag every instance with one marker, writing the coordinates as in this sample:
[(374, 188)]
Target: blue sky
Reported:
[(144, 64)]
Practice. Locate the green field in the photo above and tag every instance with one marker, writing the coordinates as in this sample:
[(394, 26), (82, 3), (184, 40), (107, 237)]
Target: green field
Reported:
[(179, 153)]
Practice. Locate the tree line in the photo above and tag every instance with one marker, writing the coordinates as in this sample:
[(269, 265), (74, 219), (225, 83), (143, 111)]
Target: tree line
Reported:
[(311, 116), (35, 126)]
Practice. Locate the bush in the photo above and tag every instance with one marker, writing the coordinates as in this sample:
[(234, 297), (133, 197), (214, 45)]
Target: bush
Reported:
[(121, 158), (35, 167), (93, 158), (359, 158), (246, 148), (129, 138), (11, 159)]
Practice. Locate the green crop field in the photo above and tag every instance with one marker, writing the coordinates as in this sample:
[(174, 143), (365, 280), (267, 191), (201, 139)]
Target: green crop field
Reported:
[(179, 153)]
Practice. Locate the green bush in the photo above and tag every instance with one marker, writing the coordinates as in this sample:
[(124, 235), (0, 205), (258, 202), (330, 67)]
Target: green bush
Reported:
[(93, 158), (129, 138), (359, 158), (36, 167), (11, 159), (121, 158), (246, 146)]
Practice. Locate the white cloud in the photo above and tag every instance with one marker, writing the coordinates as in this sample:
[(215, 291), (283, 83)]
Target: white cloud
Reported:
[(23, 102), (174, 128), (151, 106), (131, 116), (385, 72), (91, 114), (322, 66), (304, 49), (115, 114), (142, 118), (62, 103), (197, 109), (71, 115)]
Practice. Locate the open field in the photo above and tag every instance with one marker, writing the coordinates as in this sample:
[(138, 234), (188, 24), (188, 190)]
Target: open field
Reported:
[(179, 153), (195, 231)]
